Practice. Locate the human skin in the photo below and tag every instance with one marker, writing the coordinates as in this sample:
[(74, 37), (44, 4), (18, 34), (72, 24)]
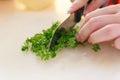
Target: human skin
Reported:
[(101, 25), (80, 3)]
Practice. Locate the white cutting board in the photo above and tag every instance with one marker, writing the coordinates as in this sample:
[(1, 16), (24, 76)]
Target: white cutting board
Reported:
[(70, 64)]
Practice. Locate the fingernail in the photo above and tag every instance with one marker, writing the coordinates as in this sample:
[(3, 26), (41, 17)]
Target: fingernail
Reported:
[(80, 39)]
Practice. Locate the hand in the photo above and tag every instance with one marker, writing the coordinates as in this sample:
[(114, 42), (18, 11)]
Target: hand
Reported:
[(80, 3), (101, 25)]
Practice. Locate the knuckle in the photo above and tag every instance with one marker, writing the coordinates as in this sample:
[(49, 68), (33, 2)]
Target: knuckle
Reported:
[(93, 19), (93, 22), (87, 17)]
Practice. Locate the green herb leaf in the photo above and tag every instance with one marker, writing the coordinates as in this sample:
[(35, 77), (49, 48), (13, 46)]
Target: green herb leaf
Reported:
[(96, 47), (40, 41)]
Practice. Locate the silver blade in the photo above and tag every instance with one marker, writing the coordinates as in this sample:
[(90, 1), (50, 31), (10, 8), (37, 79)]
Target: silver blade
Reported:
[(67, 24)]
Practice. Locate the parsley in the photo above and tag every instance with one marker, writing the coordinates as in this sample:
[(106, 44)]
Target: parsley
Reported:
[(96, 47), (38, 44)]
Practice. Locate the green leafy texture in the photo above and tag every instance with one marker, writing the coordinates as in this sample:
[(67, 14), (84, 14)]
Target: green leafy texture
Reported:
[(39, 42), (96, 47)]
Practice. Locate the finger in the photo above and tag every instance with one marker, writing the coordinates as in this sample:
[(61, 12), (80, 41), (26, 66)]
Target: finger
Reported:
[(94, 5), (76, 5), (118, 13), (103, 11), (117, 43), (107, 33), (94, 24)]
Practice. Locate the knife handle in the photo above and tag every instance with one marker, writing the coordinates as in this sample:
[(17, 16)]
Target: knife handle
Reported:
[(79, 13)]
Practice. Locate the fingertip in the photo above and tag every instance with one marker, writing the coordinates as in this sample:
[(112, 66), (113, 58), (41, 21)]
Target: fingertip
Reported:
[(91, 41), (70, 11), (72, 8), (87, 17), (76, 5), (93, 38), (79, 37)]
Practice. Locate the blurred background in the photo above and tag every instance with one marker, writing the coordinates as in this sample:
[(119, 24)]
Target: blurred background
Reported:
[(35, 5), (9, 7)]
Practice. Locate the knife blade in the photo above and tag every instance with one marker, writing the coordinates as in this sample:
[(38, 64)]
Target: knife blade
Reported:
[(70, 22)]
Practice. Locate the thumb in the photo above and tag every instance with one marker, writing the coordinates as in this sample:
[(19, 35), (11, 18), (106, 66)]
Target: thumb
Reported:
[(94, 5), (76, 5)]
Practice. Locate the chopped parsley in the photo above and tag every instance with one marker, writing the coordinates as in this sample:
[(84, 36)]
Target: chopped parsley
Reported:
[(38, 44), (96, 47)]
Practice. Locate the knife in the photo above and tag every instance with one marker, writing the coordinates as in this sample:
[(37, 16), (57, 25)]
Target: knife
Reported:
[(70, 22)]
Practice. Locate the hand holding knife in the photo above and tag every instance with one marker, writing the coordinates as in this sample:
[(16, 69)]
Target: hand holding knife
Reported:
[(70, 22)]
